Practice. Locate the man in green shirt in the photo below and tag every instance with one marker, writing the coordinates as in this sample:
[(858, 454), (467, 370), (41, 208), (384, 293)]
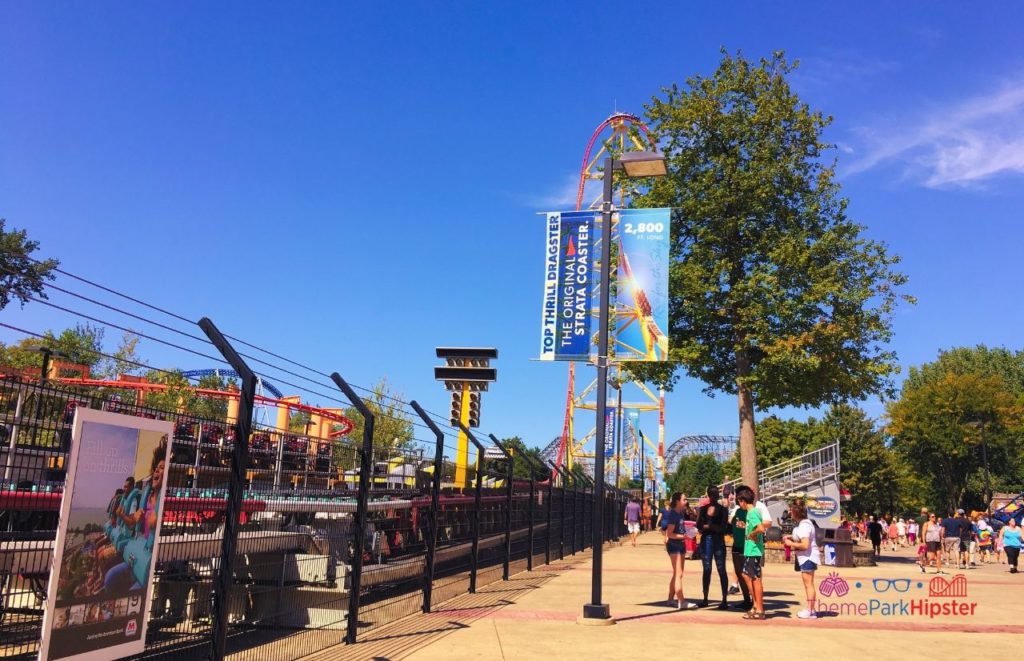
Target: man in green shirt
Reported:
[(753, 552)]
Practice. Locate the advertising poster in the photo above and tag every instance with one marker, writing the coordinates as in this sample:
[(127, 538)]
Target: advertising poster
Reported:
[(568, 267), (102, 573), (641, 320)]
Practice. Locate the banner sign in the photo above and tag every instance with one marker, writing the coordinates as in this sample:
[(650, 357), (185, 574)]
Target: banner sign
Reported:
[(102, 573), (568, 266), (609, 433), (641, 329)]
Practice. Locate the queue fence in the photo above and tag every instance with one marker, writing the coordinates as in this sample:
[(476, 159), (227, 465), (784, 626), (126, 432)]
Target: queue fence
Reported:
[(330, 538)]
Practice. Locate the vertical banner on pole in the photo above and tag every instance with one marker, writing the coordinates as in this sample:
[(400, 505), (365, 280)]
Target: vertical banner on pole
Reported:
[(102, 575), (568, 263), (609, 433), (641, 328), (633, 419)]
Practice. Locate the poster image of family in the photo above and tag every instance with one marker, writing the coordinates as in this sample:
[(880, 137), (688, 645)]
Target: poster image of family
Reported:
[(107, 540)]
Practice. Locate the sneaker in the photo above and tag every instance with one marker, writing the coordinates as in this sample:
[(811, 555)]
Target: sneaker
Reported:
[(734, 589), (687, 606), (807, 615), (922, 569)]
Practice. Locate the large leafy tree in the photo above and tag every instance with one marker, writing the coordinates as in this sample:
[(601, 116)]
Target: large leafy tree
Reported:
[(21, 276), (776, 295), (878, 478), (936, 425), (696, 473)]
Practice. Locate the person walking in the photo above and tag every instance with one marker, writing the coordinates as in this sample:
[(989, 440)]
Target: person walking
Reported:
[(875, 533), (804, 541), (894, 535), (739, 541), (966, 538), (951, 539), (645, 514), (931, 533), (912, 529), (712, 524), (901, 528), (675, 534), (631, 519), (1010, 538), (753, 553)]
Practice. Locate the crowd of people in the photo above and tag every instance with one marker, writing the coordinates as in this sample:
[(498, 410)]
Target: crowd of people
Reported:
[(735, 524), (957, 539)]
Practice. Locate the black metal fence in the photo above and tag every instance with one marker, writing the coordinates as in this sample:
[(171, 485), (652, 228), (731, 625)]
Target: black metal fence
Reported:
[(290, 544)]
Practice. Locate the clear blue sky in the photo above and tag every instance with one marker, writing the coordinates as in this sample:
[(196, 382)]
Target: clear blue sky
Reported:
[(320, 178)]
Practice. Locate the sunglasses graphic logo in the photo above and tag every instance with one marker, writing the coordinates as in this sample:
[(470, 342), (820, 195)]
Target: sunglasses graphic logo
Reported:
[(897, 584)]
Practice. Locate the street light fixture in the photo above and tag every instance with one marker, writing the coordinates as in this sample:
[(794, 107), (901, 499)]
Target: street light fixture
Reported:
[(633, 164)]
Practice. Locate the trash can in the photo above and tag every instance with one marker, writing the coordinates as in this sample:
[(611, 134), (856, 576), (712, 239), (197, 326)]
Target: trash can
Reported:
[(837, 548)]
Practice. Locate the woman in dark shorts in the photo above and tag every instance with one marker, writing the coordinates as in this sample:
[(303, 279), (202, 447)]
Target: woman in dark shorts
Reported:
[(931, 533), (675, 534)]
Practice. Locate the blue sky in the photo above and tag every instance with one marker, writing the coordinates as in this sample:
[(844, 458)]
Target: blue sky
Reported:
[(320, 178)]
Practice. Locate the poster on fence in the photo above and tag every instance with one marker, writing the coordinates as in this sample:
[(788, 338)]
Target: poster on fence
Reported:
[(641, 315), (102, 573), (568, 266)]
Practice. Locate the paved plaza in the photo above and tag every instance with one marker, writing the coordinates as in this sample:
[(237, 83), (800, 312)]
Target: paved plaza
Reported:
[(534, 615)]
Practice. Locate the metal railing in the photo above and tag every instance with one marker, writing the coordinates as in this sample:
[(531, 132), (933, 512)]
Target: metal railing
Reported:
[(279, 549), (794, 474)]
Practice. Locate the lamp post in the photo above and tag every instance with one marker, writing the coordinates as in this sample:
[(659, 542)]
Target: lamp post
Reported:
[(633, 164)]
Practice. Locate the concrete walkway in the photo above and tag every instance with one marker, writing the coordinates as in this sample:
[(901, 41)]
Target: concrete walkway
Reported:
[(534, 615)]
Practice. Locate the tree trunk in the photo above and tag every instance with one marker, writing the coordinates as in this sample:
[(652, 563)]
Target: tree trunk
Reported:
[(748, 449)]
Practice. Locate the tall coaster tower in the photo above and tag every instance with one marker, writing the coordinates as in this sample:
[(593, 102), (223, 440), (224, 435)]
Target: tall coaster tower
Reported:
[(619, 133)]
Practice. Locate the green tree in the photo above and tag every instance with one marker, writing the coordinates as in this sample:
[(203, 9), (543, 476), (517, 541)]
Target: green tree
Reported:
[(696, 473), (933, 426), (980, 360), (776, 295), (878, 478), (392, 427), (180, 395), (522, 470), (21, 276)]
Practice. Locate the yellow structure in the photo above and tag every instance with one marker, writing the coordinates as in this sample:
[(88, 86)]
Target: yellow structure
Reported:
[(462, 450)]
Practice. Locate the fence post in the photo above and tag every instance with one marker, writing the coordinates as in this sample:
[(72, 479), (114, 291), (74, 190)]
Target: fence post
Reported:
[(362, 498), (508, 508), (533, 496), (547, 529), (474, 553), (435, 497), (224, 580), (561, 527)]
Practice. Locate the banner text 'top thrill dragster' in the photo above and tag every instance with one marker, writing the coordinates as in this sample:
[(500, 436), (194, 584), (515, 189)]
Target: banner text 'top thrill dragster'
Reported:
[(568, 265)]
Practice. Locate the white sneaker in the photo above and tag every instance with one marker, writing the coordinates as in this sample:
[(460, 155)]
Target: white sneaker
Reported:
[(807, 615)]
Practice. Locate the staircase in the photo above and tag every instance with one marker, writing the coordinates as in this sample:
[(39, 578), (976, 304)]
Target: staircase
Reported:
[(793, 475)]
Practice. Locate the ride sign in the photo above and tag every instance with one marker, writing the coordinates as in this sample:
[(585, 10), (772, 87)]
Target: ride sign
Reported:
[(641, 304), (568, 266), (101, 579)]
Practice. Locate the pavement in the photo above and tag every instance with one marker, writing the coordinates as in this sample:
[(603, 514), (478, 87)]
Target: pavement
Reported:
[(534, 615)]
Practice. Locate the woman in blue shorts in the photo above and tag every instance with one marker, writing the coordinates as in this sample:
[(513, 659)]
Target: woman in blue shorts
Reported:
[(804, 541), (675, 532)]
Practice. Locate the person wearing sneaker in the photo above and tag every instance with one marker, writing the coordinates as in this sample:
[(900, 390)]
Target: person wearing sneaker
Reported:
[(675, 534), (1010, 536), (713, 523), (753, 552), (804, 541), (739, 537)]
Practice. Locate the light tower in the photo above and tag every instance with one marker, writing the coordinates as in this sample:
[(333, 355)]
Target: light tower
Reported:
[(467, 374)]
